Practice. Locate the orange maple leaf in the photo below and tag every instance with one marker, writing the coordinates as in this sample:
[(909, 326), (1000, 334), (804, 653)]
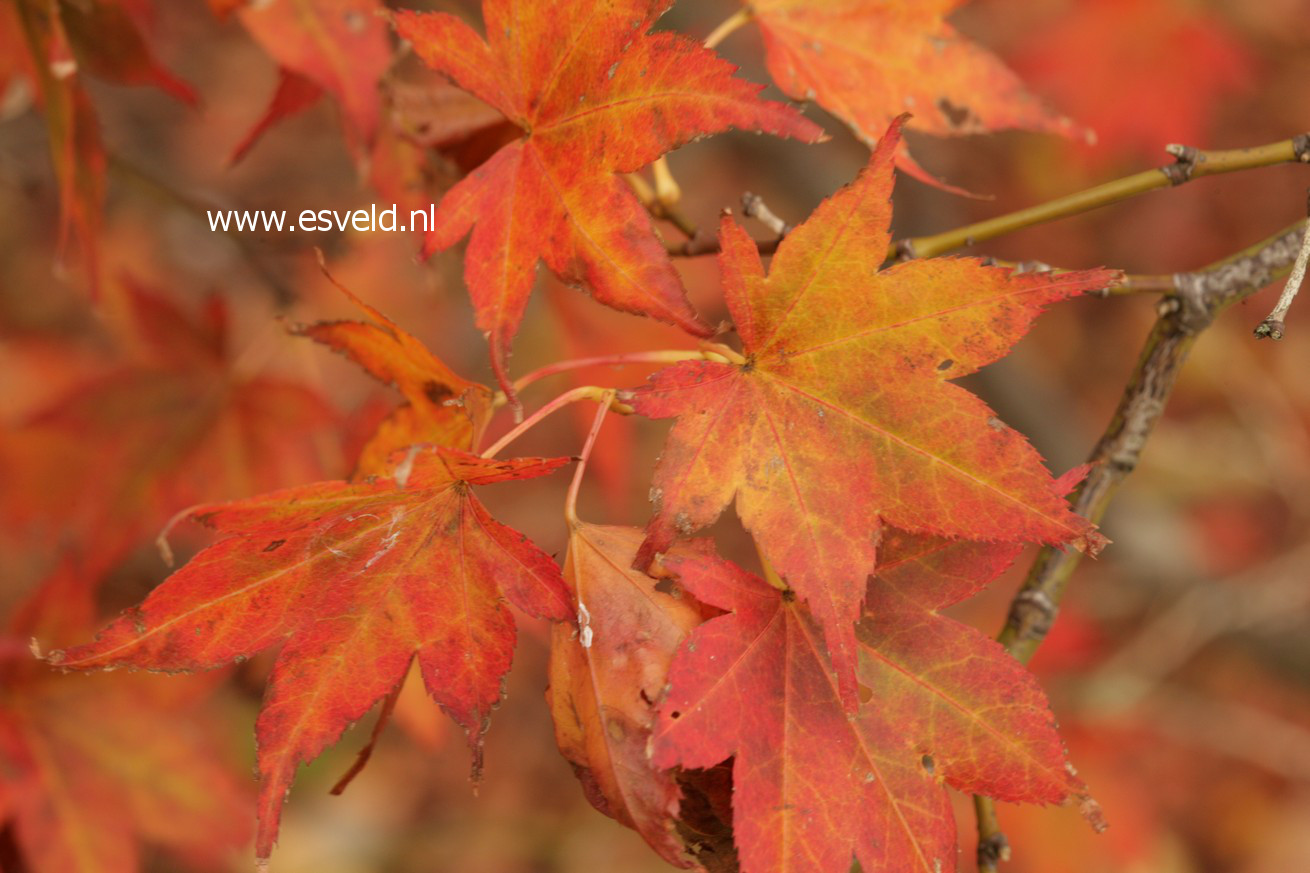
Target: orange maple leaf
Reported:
[(814, 786), (594, 95), (353, 581), (839, 415), (868, 61), (441, 407)]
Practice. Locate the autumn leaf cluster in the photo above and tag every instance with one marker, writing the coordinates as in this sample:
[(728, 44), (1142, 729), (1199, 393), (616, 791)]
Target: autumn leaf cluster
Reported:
[(793, 718)]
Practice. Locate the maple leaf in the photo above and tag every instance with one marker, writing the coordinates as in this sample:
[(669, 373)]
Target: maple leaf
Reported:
[(171, 425), (606, 673), (814, 786), (867, 61), (594, 95), (339, 47), (441, 407), (433, 134), (89, 771), (840, 415), (353, 581)]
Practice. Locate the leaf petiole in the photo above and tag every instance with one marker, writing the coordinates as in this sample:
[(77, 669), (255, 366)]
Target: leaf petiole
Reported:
[(586, 392), (730, 25), (571, 501), (770, 574), (669, 356), (722, 354)]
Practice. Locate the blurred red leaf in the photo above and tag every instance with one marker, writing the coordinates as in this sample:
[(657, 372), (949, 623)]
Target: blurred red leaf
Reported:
[(168, 426), (868, 61), (90, 770), (1141, 73), (294, 94), (338, 46)]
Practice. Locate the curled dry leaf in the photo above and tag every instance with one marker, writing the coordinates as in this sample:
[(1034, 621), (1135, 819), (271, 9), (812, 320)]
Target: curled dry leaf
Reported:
[(441, 408), (607, 672)]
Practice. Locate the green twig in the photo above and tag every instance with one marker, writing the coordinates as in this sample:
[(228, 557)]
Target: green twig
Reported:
[(1189, 163)]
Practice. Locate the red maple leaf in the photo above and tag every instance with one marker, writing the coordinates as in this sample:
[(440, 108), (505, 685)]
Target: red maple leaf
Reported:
[(814, 785), (595, 95), (171, 424), (839, 416), (353, 582)]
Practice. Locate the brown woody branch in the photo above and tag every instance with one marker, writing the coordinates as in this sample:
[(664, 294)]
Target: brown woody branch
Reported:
[(1191, 304), (1272, 327)]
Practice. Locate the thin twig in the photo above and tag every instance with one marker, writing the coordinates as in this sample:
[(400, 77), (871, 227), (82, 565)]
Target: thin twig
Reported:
[(667, 189), (1268, 595), (1196, 300), (1236, 730), (1272, 326), (571, 501), (655, 202), (993, 846), (753, 206), (1190, 163), (669, 356)]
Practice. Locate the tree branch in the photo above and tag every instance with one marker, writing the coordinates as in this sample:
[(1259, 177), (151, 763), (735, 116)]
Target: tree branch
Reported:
[(1272, 326), (1189, 163), (1190, 307)]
